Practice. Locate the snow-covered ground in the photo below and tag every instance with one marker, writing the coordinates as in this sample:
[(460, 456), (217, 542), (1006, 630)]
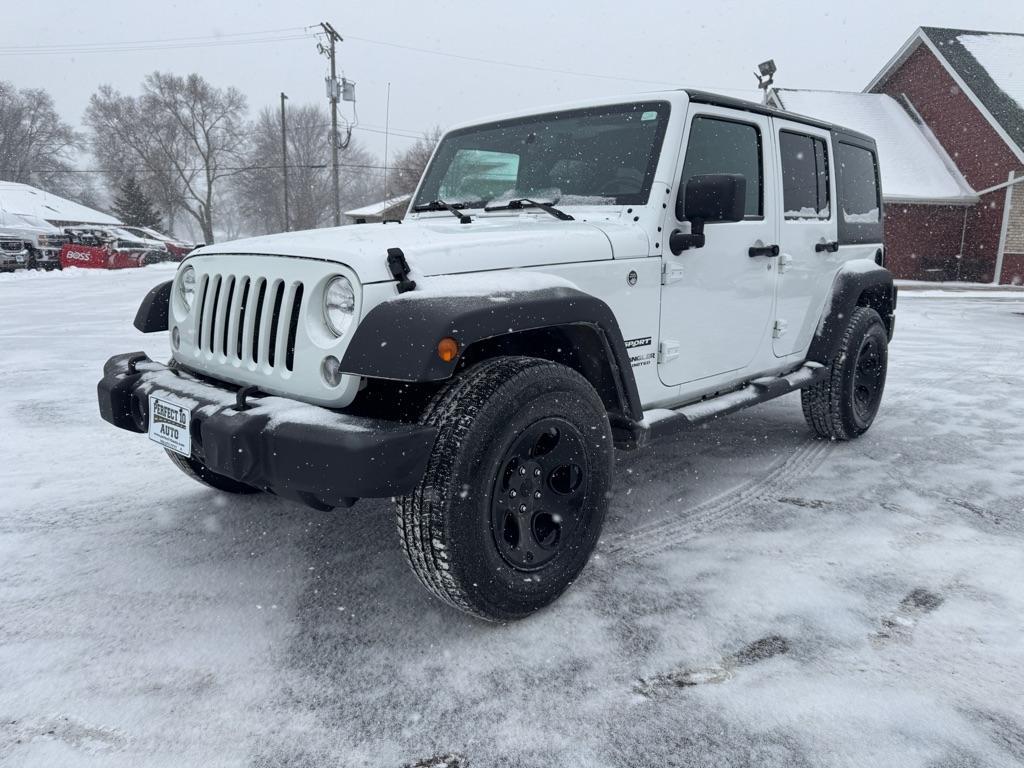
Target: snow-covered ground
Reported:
[(759, 598)]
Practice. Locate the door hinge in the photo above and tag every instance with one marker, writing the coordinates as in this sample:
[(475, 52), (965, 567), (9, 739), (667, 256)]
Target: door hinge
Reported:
[(779, 329), (668, 350), (784, 261), (671, 273)]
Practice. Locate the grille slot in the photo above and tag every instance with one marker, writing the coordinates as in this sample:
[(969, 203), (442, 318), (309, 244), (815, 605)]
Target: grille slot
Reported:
[(248, 320)]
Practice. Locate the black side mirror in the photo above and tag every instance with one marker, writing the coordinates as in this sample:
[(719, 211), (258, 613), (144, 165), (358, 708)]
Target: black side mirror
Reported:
[(709, 197)]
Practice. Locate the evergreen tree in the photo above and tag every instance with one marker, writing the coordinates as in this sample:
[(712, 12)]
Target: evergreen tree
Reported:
[(134, 207)]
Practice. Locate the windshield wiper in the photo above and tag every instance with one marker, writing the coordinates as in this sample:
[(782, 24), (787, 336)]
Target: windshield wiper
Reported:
[(441, 205), (525, 202)]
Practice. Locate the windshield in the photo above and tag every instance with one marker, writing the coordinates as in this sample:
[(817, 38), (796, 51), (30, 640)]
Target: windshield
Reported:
[(598, 156)]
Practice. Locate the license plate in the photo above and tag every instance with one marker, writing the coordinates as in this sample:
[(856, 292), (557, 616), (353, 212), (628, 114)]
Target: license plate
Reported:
[(19, 258), (169, 425)]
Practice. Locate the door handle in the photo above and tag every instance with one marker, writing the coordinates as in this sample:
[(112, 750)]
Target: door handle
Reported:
[(826, 247), (763, 250)]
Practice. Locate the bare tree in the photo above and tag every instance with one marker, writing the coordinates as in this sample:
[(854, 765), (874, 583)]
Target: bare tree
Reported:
[(260, 189), (36, 146), (183, 133), (122, 142), (408, 165)]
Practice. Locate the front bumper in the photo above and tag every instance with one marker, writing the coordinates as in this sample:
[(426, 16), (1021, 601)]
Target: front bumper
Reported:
[(10, 261), (304, 452)]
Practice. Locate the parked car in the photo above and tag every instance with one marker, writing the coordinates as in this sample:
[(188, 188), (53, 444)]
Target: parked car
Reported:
[(564, 283), (178, 249), (13, 253), (42, 239), (96, 247)]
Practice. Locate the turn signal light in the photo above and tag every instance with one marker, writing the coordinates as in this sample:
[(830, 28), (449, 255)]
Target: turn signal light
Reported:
[(447, 349)]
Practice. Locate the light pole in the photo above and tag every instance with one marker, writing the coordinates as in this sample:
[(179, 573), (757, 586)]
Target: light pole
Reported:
[(284, 159)]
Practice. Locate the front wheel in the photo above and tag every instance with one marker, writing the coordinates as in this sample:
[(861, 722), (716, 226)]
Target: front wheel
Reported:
[(514, 495), (844, 405)]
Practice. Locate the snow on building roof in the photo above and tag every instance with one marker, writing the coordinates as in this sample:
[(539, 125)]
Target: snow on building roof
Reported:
[(1002, 56), (991, 64), (914, 166), (378, 208), (21, 198)]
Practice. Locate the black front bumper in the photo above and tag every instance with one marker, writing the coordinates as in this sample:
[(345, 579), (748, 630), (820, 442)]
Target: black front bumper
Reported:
[(315, 455)]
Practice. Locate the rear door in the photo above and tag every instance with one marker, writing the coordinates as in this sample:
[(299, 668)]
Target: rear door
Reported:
[(808, 247), (716, 301)]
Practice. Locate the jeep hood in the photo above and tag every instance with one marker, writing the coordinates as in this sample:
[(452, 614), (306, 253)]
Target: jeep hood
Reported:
[(435, 246)]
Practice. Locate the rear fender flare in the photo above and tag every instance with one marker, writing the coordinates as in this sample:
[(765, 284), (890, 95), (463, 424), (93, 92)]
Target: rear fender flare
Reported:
[(853, 286)]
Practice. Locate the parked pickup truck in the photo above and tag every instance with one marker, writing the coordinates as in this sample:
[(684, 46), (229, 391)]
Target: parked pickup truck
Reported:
[(13, 253), (177, 249), (565, 283), (42, 240)]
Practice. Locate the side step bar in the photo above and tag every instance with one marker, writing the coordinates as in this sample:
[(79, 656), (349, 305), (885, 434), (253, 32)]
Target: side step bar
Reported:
[(659, 422)]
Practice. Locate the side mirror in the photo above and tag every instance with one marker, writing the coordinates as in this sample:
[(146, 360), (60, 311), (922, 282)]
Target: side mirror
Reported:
[(709, 197)]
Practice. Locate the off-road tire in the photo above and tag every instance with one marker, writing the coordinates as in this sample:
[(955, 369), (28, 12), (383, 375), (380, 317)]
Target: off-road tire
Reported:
[(447, 524), (201, 474), (831, 407)]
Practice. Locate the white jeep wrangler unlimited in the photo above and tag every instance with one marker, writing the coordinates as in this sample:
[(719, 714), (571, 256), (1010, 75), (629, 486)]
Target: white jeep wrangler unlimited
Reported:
[(564, 283)]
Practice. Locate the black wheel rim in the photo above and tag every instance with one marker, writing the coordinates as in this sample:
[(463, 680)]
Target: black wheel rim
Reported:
[(537, 501), (868, 378)]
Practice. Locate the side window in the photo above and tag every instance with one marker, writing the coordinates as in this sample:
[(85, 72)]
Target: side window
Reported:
[(858, 185), (725, 146), (805, 185)]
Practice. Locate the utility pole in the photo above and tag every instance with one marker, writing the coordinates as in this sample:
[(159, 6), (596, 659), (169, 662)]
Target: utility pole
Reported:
[(387, 124), (284, 159), (332, 93)]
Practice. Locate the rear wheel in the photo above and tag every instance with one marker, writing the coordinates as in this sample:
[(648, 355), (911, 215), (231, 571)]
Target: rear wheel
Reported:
[(201, 474), (845, 403), (514, 496)]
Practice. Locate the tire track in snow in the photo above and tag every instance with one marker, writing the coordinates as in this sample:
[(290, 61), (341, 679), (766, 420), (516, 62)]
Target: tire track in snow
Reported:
[(678, 528)]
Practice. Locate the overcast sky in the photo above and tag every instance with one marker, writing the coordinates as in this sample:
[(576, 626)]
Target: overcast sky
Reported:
[(650, 45)]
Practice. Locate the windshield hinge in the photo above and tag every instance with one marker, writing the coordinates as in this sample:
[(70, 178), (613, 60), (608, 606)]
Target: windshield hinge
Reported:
[(399, 269)]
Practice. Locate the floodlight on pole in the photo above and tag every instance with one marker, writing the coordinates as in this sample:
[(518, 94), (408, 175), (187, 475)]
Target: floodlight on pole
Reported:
[(765, 76)]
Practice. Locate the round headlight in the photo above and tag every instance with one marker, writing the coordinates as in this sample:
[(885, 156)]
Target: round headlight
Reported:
[(339, 305), (187, 286)]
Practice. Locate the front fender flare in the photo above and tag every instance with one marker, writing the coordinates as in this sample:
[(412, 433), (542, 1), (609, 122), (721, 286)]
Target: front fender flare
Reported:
[(153, 312), (397, 339)]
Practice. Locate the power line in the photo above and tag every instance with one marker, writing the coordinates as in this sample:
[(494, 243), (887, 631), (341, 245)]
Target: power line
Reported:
[(210, 41), (286, 34), (517, 65), (274, 167)]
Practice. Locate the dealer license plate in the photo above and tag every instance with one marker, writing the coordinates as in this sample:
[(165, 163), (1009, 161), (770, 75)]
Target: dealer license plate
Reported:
[(169, 425)]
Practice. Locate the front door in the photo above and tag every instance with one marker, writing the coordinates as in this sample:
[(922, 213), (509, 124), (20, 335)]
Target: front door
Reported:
[(716, 301), (808, 249)]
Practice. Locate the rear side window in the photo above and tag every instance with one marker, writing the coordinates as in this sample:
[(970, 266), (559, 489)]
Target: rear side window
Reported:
[(725, 146), (805, 184), (860, 200)]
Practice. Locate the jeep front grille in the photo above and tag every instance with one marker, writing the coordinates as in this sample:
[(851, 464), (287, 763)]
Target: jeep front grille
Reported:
[(248, 319)]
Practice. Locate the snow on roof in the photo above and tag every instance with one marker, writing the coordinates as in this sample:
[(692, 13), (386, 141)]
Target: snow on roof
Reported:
[(914, 166), (21, 198), (376, 209), (989, 64), (1002, 56)]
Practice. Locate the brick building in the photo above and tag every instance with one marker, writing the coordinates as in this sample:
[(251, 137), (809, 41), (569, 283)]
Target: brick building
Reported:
[(963, 90)]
